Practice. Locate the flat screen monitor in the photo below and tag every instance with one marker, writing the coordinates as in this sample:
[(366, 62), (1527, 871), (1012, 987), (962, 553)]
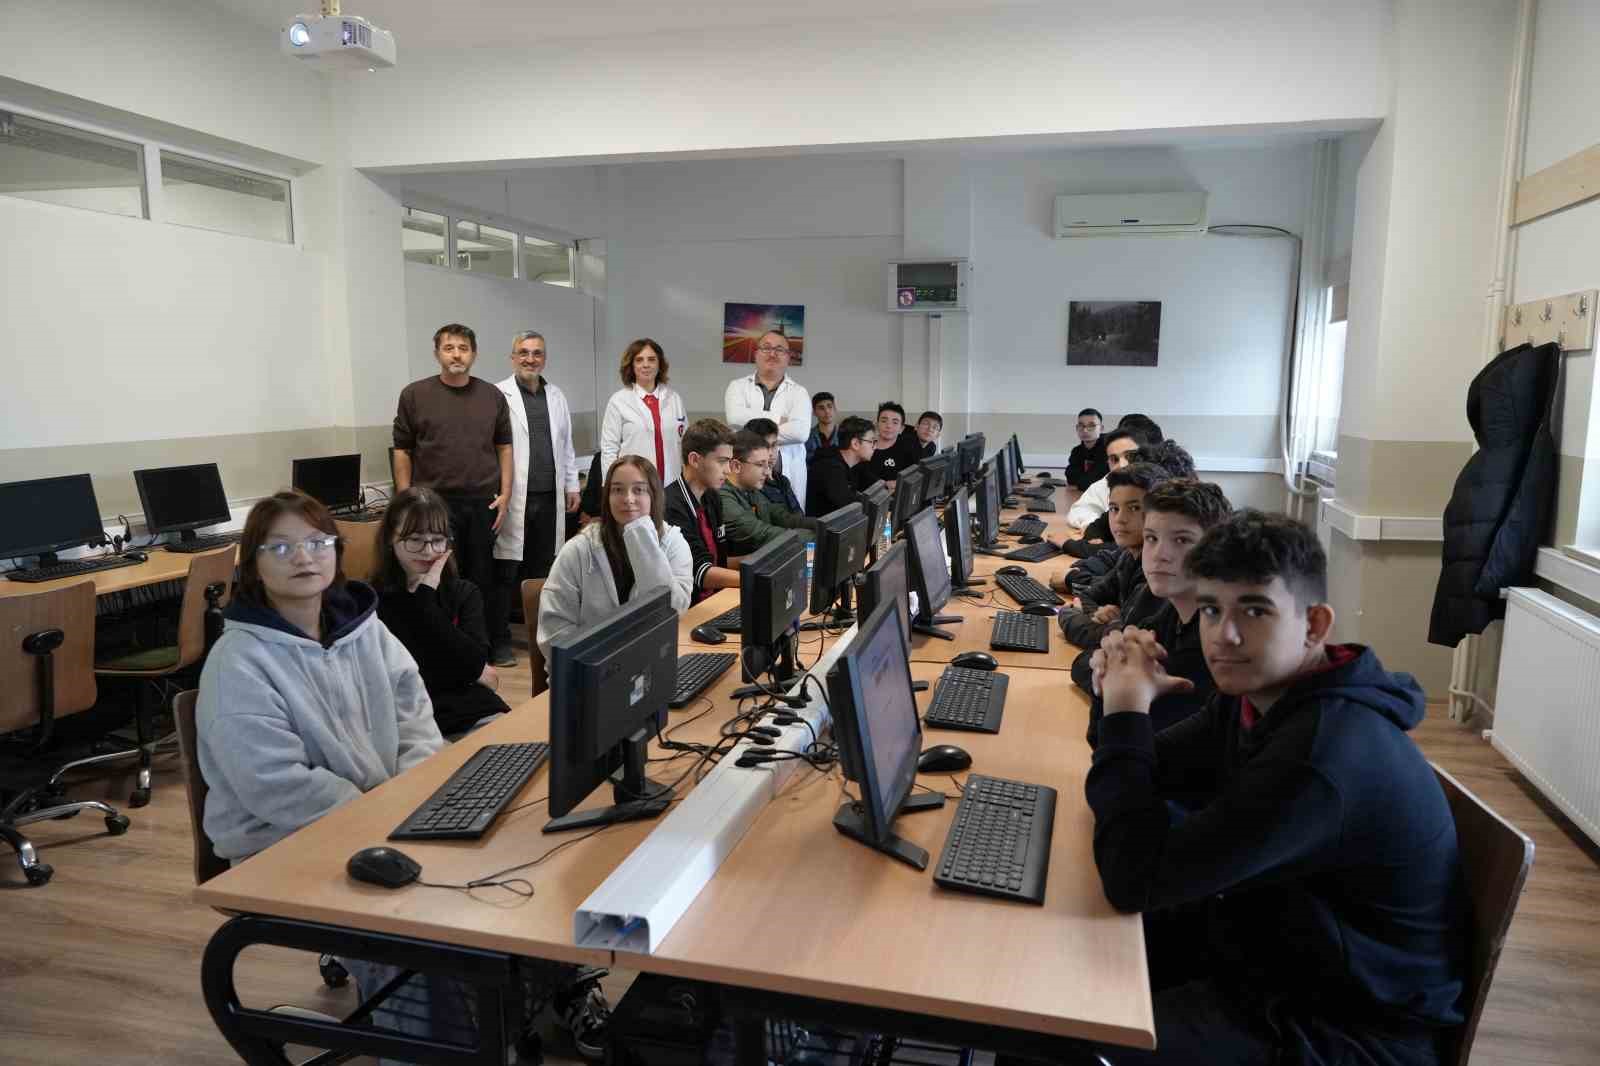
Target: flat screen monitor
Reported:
[(1016, 456), (333, 480), (907, 496), (988, 507), (930, 575), (878, 734), (886, 581), (609, 686), (958, 538), (875, 501), (47, 515), (940, 475), (771, 600), (182, 499), (840, 553), (970, 454), (1002, 465)]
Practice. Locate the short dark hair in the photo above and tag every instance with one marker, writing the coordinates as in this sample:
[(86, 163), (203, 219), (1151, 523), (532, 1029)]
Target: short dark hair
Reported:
[(705, 436), (1144, 426), (1144, 476), (1108, 439), (890, 405), (818, 397), (455, 329), (764, 426), (1253, 547), (258, 523), (745, 442), (1168, 453), (1091, 411), (935, 415), (1202, 501), (853, 429)]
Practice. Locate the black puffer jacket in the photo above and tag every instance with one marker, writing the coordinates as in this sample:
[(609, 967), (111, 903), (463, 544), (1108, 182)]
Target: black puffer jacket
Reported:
[(1497, 515)]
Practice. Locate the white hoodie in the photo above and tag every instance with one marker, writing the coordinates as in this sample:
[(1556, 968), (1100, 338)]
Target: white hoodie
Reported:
[(580, 588)]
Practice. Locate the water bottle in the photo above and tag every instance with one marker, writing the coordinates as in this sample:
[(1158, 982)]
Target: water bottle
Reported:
[(888, 532), (811, 553)]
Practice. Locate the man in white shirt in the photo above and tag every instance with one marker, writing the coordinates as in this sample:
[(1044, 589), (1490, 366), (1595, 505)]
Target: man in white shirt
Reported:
[(771, 393)]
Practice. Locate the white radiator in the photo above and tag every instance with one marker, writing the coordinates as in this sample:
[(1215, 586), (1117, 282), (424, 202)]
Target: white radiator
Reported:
[(1547, 703)]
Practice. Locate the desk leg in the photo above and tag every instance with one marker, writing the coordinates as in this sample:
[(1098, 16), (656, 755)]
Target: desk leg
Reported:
[(260, 1036)]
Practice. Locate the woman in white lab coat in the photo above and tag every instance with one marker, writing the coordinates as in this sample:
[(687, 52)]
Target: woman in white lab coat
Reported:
[(646, 416)]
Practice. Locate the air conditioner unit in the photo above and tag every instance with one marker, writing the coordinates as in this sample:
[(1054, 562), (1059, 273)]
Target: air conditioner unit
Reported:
[(1131, 214)]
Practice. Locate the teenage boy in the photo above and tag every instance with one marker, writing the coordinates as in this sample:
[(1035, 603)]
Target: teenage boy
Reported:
[(1087, 463), (1092, 504), (896, 450), (1119, 598), (825, 434), (777, 489), (694, 504), (831, 484), (1167, 454), (751, 519), (929, 425), (1177, 514)]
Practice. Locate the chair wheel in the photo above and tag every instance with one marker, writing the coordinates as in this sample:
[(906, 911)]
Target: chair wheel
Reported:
[(334, 975), (39, 873), (117, 824), (140, 797)]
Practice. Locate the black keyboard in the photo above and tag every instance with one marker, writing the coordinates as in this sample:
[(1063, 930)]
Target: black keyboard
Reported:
[(1042, 506), (1041, 491), (201, 544), (1034, 553), (1020, 632), (999, 842), (465, 806), (1026, 589), (71, 568), (727, 621), (971, 700), (1027, 524), (1011, 502), (696, 671)]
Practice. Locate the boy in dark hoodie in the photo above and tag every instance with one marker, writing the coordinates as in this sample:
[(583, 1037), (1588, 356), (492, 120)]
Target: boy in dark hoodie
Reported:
[(1312, 910)]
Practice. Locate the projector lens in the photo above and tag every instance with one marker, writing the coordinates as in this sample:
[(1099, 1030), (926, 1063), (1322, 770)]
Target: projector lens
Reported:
[(299, 36)]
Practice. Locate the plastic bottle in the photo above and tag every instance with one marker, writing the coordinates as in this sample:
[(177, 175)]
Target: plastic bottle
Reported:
[(811, 553)]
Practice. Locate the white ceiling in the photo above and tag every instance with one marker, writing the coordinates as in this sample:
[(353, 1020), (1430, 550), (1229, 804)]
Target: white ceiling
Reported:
[(471, 23)]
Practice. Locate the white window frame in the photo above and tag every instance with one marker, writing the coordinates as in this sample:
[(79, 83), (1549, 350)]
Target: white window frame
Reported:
[(454, 213)]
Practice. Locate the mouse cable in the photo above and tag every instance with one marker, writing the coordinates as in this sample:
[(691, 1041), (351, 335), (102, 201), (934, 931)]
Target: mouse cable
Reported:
[(935, 791)]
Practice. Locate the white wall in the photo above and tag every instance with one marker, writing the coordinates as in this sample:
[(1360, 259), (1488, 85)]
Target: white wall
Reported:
[(1038, 69)]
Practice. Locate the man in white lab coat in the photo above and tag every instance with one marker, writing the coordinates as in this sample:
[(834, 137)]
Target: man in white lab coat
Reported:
[(771, 393), (544, 485)]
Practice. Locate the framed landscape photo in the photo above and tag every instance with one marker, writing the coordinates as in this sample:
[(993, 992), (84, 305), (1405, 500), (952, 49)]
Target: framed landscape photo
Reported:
[(1113, 332), (743, 325)]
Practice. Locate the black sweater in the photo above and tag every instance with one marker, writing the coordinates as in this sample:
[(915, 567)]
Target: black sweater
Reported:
[(1185, 658), (829, 483), (1085, 466), (1124, 586), (444, 631), (683, 511), (1326, 855)]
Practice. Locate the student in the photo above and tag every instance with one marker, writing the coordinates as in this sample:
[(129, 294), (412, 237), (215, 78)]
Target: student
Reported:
[(646, 416), (896, 449), (777, 488), (929, 425), (1092, 504), (452, 434), (826, 432), (632, 551), (832, 483), (1177, 514), (752, 519), (1313, 910), (1087, 463), (435, 613), (1169, 455), (1119, 598), (694, 504), (772, 393)]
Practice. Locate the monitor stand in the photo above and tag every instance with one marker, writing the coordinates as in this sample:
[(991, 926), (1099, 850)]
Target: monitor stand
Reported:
[(636, 796), (781, 671), (930, 626), (849, 821)]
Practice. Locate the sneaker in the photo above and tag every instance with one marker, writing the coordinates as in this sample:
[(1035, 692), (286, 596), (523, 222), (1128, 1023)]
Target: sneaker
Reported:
[(584, 1012), (502, 655)]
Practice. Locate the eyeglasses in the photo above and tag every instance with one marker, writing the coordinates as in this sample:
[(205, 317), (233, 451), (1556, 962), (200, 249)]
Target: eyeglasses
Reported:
[(1088, 425), (767, 349), (419, 542), (868, 440), (283, 549), (765, 464)]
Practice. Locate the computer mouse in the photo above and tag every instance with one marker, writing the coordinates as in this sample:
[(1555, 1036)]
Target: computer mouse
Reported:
[(1030, 538), (1040, 607), (975, 660), (138, 557), (383, 866), (944, 759), (707, 635), (1013, 569)]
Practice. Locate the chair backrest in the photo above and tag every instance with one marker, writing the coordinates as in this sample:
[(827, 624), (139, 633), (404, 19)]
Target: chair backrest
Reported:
[(1495, 859), (532, 589), (360, 548), (69, 609), (205, 569), (206, 863)]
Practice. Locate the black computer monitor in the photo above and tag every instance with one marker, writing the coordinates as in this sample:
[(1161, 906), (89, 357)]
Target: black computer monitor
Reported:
[(841, 551), (1016, 456), (609, 685), (907, 496), (988, 507), (970, 454), (334, 480), (1002, 465), (47, 515), (887, 581), (933, 479), (875, 501), (930, 576), (958, 544), (772, 585), (182, 499), (879, 736)]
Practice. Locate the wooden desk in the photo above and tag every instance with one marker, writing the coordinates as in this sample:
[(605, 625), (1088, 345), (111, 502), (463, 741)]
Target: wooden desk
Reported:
[(880, 934), (972, 634), (161, 566)]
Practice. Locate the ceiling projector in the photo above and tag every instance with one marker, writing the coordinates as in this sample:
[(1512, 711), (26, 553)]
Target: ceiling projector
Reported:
[(338, 40)]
